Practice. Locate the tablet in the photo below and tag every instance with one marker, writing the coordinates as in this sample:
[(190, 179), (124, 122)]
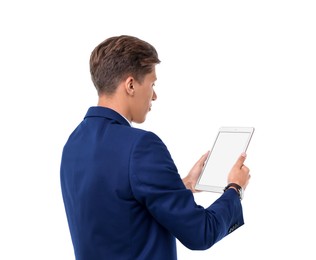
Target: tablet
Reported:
[(228, 146)]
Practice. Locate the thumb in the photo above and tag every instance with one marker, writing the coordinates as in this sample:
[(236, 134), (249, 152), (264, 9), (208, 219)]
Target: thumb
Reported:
[(202, 160), (241, 160), (204, 157)]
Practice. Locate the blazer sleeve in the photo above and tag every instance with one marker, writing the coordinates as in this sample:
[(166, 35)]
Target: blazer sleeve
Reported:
[(157, 185)]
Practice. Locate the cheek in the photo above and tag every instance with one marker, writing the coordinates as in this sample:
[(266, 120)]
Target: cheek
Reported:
[(147, 97)]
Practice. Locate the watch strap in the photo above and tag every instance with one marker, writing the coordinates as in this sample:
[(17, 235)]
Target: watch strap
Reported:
[(235, 185)]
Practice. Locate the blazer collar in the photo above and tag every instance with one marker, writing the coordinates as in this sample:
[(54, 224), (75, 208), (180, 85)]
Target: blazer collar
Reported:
[(105, 112)]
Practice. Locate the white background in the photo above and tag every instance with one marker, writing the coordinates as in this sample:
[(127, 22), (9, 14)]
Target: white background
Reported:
[(224, 63)]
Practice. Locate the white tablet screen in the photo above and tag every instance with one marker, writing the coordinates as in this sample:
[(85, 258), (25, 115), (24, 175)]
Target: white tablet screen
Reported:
[(227, 147)]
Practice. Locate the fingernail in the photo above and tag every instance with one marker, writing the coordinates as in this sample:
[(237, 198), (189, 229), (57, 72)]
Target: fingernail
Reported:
[(244, 154)]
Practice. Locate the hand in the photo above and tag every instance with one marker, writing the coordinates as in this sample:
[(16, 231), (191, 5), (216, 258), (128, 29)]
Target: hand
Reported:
[(191, 179), (239, 173)]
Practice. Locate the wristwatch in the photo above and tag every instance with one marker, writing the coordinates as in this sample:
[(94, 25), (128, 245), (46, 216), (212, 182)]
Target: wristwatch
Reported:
[(240, 190)]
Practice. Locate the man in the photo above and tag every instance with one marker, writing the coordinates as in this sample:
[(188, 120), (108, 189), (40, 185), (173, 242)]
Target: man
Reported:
[(123, 195)]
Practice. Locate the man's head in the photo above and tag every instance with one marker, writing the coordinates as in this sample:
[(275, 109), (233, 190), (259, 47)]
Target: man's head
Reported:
[(123, 72), (116, 58)]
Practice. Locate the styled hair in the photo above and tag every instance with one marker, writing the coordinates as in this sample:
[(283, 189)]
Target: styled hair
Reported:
[(116, 58)]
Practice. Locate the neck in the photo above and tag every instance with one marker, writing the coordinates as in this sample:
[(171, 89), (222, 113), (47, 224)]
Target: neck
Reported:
[(116, 104)]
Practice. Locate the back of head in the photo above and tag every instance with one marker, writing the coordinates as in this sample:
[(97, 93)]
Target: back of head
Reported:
[(116, 58)]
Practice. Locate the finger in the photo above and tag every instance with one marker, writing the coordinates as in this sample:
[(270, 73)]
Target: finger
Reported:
[(203, 158), (241, 160), (244, 168)]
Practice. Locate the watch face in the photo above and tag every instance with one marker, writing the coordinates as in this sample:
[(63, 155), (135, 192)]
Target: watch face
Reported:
[(241, 193)]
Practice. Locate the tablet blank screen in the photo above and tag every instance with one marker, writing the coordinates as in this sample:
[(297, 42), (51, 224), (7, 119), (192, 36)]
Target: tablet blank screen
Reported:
[(226, 150)]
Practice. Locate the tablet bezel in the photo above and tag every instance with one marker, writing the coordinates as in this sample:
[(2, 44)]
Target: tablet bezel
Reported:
[(220, 189)]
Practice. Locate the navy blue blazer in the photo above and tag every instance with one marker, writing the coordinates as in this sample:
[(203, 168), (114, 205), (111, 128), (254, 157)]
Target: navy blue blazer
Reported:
[(125, 199)]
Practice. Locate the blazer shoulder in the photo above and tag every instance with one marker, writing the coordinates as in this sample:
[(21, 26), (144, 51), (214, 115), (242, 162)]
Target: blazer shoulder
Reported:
[(142, 134), (148, 137)]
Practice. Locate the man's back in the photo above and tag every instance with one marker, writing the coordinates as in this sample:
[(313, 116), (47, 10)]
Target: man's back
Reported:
[(105, 219)]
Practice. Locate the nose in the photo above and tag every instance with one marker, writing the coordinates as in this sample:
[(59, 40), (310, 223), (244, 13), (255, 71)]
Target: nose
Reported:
[(154, 97)]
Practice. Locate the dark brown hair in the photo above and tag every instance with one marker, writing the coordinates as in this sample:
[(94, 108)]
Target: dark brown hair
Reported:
[(116, 58)]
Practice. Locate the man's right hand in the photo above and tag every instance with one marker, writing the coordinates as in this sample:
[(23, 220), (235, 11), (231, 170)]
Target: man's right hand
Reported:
[(239, 173)]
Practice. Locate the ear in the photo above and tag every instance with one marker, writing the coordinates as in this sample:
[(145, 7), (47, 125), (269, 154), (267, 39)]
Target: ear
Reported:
[(129, 86)]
